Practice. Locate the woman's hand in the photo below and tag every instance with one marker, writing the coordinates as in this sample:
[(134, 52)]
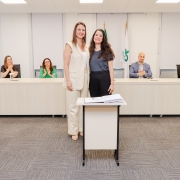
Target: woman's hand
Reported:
[(111, 88), (49, 72), (44, 72), (10, 67), (69, 85)]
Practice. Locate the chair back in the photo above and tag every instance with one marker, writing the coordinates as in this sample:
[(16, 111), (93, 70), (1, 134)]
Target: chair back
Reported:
[(178, 70), (18, 68), (129, 70)]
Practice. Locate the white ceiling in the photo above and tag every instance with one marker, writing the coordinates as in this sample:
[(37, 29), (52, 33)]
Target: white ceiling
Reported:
[(73, 6)]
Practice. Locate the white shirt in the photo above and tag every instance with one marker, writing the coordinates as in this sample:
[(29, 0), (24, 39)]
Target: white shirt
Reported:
[(141, 67)]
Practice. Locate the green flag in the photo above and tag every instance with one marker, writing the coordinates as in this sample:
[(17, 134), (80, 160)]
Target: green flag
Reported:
[(105, 32)]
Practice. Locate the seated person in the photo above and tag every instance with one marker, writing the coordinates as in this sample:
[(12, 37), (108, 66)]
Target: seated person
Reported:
[(139, 68), (8, 68), (47, 71)]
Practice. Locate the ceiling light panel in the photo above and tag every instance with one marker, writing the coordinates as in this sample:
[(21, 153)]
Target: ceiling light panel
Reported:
[(167, 1), (91, 1), (13, 1)]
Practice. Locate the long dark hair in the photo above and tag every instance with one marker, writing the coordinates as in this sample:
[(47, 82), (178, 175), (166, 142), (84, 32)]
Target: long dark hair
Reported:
[(74, 40), (106, 51), (44, 66)]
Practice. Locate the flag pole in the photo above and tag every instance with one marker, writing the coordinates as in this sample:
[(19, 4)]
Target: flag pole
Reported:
[(126, 53), (126, 27)]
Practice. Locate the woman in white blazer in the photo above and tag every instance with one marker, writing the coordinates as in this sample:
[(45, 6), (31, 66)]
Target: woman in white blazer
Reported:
[(76, 80)]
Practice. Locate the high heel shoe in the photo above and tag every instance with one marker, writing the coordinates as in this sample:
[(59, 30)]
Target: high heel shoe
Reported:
[(75, 137)]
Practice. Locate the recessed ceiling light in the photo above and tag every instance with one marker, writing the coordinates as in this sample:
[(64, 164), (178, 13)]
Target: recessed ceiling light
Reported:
[(13, 1), (91, 1), (167, 1)]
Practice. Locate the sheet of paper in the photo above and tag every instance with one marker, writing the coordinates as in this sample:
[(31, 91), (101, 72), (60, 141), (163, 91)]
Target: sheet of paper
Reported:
[(105, 99)]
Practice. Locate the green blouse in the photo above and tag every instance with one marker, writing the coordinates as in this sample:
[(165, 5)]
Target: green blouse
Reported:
[(54, 72)]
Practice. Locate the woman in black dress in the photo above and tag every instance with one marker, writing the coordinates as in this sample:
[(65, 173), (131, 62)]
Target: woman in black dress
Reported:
[(8, 68)]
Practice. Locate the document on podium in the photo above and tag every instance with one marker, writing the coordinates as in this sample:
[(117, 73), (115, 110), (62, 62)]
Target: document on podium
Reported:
[(114, 98)]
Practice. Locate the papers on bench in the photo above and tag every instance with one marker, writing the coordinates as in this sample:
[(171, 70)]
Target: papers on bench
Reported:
[(114, 98)]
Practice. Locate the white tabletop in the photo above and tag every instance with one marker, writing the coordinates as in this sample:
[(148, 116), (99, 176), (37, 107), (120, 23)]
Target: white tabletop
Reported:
[(31, 80), (147, 81), (116, 81)]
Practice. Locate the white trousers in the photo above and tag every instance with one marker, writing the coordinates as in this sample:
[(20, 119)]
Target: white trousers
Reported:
[(74, 112)]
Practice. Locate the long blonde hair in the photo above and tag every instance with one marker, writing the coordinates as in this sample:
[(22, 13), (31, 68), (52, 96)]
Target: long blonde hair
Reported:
[(5, 61)]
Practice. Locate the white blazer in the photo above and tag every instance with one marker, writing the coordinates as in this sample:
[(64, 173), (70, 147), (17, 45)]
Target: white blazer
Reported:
[(76, 67)]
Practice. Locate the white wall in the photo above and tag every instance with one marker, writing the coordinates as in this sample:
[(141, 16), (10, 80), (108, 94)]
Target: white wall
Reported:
[(170, 41), (47, 39), (115, 26), (16, 38), (16, 41), (69, 21), (143, 36)]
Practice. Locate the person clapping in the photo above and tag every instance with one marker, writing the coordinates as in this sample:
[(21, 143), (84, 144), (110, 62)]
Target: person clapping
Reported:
[(8, 68), (46, 70)]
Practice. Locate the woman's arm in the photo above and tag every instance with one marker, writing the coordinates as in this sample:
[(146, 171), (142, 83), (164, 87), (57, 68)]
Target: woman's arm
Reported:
[(67, 56), (42, 73), (49, 73), (111, 71), (4, 72), (15, 72)]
